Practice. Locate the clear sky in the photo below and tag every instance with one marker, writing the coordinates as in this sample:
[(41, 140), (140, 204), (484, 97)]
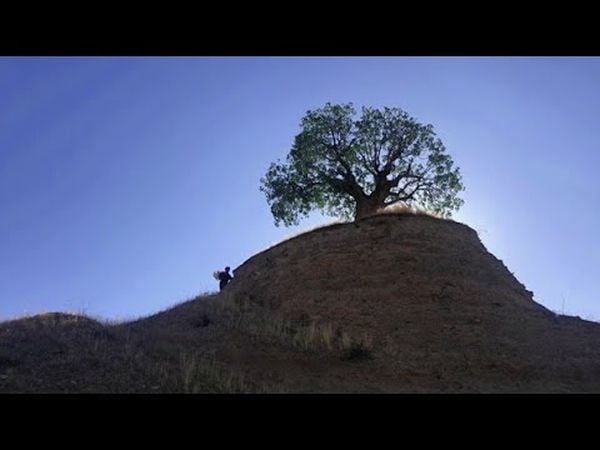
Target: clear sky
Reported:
[(125, 182)]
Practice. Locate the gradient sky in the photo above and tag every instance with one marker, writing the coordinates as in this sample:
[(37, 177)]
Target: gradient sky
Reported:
[(125, 182)]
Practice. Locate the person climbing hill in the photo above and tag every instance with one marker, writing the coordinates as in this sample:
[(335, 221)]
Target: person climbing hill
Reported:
[(223, 277)]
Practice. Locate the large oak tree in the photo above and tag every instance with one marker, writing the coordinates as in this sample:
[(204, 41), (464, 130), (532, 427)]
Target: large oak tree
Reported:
[(354, 166)]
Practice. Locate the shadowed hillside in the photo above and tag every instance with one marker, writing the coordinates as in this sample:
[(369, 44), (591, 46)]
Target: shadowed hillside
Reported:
[(392, 303)]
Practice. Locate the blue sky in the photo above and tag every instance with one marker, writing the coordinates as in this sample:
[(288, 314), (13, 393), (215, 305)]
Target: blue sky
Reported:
[(125, 182)]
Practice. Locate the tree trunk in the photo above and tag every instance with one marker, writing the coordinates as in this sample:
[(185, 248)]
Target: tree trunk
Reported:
[(366, 207)]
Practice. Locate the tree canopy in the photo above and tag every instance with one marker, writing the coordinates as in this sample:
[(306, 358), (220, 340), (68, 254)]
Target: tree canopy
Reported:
[(350, 166)]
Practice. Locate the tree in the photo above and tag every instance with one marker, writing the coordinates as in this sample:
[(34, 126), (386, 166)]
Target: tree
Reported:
[(348, 166)]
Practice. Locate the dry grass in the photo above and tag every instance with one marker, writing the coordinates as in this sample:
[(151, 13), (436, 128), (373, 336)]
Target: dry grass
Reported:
[(404, 208), (200, 375), (263, 324), (356, 347), (74, 353)]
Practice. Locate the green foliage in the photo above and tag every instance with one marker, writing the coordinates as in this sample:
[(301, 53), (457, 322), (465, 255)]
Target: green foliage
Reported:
[(347, 166)]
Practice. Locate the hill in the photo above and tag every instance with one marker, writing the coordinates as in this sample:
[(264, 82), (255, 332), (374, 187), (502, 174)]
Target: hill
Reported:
[(392, 303)]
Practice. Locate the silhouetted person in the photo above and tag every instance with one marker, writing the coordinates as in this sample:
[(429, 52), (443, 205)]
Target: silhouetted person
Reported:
[(224, 278)]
